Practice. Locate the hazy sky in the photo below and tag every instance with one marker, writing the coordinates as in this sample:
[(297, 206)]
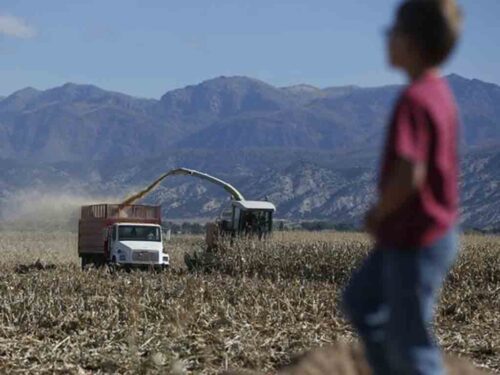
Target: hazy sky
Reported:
[(150, 46)]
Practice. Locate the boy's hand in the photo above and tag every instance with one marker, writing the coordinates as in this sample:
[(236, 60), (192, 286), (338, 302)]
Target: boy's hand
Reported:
[(406, 177)]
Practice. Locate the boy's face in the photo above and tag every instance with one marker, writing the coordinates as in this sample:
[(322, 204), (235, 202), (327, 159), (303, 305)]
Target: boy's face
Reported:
[(396, 48), (400, 53)]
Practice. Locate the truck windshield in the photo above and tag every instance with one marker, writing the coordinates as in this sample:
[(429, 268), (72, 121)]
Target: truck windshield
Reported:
[(138, 233)]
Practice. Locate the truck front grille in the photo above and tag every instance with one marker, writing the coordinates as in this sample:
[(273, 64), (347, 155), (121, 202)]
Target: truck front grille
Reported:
[(145, 256)]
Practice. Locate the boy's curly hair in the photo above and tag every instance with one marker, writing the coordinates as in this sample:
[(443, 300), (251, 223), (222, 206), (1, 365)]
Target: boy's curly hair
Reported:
[(434, 25)]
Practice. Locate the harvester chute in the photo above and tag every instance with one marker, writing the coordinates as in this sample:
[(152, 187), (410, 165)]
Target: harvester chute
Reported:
[(236, 195)]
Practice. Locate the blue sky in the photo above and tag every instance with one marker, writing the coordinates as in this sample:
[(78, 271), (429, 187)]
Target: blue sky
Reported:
[(148, 47)]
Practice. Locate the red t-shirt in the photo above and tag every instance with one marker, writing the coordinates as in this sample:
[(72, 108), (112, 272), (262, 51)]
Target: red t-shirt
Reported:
[(423, 129)]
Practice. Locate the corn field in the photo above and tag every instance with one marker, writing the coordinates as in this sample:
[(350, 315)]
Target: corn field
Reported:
[(252, 305)]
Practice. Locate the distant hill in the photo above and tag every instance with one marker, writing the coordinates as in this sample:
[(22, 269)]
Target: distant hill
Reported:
[(83, 121), (312, 151), (77, 121)]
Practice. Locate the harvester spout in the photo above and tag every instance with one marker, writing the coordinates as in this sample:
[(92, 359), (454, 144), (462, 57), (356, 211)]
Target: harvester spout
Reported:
[(236, 195), (191, 172)]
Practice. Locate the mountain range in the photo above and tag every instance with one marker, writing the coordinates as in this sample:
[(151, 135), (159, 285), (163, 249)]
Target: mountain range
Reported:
[(312, 151)]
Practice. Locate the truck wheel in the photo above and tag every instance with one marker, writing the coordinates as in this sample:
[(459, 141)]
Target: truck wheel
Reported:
[(87, 262), (112, 265), (84, 262), (92, 260), (100, 261), (159, 268)]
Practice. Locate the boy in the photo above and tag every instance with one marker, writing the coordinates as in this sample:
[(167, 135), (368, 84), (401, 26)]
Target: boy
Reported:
[(390, 299)]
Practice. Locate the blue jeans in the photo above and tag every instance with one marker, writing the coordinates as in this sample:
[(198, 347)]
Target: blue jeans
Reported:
[(390, 301)]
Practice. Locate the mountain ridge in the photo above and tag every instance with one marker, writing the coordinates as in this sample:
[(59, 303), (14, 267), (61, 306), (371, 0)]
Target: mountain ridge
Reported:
[(450, 76), (74, 121)]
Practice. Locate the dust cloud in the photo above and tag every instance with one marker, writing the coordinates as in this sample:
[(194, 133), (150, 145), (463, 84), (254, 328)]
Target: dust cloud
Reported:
[(37, 210)]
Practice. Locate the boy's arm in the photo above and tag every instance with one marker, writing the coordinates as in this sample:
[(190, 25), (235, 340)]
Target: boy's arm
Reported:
[(404, 180), (409, 141)]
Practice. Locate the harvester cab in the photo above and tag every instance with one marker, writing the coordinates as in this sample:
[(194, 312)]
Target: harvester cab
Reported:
[(251, 219), (248, 218)]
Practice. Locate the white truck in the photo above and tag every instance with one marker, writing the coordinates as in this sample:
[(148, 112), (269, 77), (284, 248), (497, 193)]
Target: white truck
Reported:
[(121, 235)]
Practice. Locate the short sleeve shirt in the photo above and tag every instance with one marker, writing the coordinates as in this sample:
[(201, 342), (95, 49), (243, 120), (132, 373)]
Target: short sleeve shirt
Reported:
[(423, 129)]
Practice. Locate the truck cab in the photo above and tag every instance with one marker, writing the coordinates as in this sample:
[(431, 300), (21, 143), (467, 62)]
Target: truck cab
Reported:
[(136, 244)]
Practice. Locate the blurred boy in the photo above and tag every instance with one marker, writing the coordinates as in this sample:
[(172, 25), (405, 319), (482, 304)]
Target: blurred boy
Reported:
[(390, 299)]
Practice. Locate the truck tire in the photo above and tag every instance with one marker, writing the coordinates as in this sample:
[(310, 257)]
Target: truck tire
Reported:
[(99, 261), (112, 265), (92, 260), (86, 261)]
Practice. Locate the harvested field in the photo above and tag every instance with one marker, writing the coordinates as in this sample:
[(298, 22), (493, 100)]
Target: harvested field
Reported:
[(257, 307)]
